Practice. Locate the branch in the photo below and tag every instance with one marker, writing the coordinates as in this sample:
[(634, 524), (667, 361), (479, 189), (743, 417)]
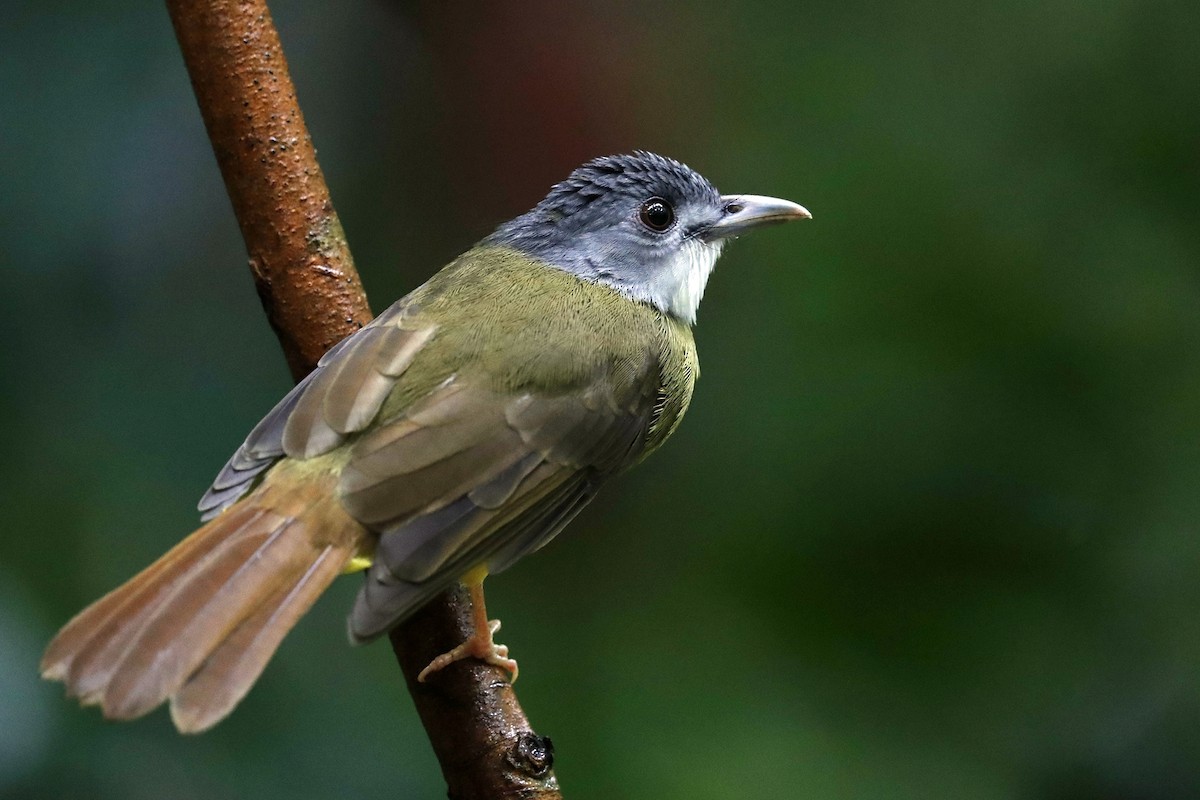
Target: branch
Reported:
[(313, 298), (298, 254)]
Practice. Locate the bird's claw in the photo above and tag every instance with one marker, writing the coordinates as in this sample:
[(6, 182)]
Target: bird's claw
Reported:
[(480, 646)]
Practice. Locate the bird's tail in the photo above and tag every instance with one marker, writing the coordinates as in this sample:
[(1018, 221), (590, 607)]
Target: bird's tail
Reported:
[(199, 625)]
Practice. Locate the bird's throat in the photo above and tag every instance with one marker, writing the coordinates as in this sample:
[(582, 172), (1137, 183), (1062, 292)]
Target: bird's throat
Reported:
[(682, 285)]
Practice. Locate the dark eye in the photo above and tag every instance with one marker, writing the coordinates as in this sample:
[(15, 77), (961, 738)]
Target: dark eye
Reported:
[(657, 214)]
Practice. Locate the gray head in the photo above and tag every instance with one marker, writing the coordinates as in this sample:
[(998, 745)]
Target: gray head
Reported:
[(646, 225)]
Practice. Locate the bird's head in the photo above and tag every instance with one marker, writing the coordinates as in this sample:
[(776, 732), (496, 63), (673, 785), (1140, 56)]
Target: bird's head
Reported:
[(648, 226)]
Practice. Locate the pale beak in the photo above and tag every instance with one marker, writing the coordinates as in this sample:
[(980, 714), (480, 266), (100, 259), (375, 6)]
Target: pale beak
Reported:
[(744, 212)]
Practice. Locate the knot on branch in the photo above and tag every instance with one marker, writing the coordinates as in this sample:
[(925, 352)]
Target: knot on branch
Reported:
[(532, 755)]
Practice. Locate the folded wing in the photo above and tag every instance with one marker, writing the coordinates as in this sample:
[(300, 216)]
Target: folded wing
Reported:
[(471, 476)]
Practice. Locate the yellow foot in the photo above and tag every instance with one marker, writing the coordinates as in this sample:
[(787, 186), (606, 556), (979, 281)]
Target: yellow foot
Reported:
[(480, 646)]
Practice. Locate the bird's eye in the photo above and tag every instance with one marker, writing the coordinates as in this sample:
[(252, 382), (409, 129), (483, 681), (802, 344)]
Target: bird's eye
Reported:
[(657, 214)]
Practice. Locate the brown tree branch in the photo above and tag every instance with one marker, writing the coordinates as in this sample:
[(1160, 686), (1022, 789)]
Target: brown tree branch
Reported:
[(313, 297), (298, 254)]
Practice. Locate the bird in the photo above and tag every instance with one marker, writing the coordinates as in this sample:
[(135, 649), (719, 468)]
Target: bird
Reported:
[(456, 433)]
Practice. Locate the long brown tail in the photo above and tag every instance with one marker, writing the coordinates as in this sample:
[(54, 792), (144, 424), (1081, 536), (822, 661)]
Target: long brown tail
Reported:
[(199, 625)]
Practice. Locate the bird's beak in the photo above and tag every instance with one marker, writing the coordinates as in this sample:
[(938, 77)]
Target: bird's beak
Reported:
[(744, 212)]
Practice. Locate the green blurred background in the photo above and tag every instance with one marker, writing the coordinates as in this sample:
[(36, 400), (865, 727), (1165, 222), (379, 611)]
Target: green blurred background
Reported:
[(930, 529)]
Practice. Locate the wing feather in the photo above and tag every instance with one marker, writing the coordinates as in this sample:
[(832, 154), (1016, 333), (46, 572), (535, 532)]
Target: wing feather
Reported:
[(364, 382), (471, 476), (386, 597), (341, 396)]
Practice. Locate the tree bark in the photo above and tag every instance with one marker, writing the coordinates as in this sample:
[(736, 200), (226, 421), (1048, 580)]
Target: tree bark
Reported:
[(313, 298)]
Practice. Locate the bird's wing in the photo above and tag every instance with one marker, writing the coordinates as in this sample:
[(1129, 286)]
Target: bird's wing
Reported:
[(471, 476), (340, 397)]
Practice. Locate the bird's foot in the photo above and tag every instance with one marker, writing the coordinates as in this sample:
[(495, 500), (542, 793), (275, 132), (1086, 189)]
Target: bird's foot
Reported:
[(480, 646)]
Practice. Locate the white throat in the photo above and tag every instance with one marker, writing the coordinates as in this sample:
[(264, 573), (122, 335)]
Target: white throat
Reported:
[(677, 289)]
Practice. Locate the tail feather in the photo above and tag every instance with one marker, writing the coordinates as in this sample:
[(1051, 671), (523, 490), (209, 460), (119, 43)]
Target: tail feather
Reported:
[(93, 665), (229, 672), (199, 625), (93, 627), (193, 619)]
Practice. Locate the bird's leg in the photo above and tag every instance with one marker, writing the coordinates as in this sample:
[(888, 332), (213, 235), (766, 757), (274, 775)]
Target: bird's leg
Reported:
[(480, 645)]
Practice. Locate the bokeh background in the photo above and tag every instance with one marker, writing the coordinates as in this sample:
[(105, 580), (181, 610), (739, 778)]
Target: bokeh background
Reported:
[(931, 527)]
